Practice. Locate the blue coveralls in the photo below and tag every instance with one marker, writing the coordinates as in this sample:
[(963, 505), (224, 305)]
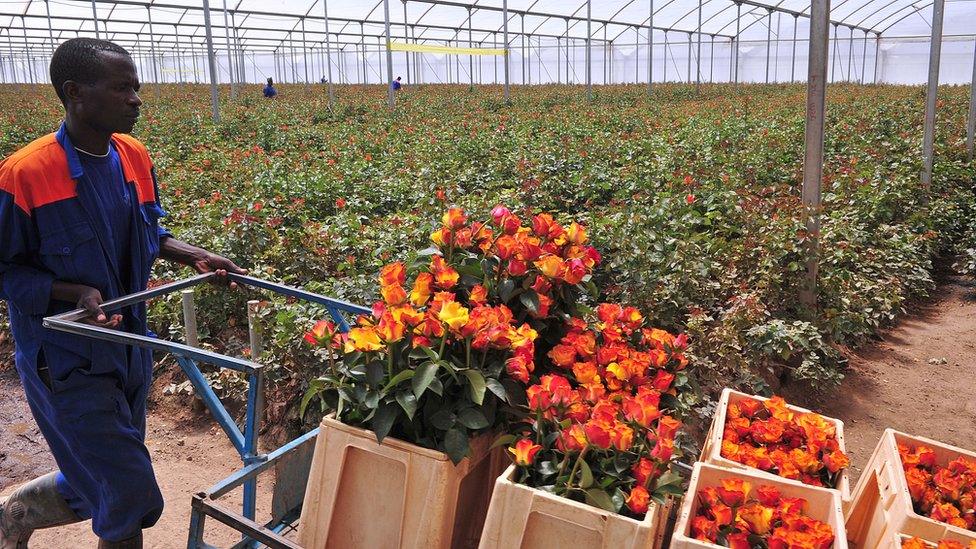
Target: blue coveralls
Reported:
[(92, 410)]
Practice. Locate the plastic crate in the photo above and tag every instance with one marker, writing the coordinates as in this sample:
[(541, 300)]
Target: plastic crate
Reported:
[(712, 449), (521, 516), (362, 494), (882, 506), (822, 504)]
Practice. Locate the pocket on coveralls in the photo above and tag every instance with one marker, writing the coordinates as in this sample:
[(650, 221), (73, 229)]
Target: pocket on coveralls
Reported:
[(63, 251)]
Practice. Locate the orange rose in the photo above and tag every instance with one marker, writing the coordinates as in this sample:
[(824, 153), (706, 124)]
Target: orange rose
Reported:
[(524, 452), (422, 289), (454, 218), (638, 500), (394, 294), (733, 491), (394, 273), (757, 516)]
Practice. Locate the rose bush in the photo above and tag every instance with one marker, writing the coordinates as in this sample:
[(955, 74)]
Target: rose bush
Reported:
[(324, 198)]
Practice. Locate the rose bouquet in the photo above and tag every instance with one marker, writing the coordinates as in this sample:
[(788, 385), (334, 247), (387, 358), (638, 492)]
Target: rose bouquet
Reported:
[(734, 515), (919, 543), (453, 338), (946, 494), (596, 428), (769, 436)]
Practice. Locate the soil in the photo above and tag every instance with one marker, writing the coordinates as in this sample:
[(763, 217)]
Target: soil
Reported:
[(918, 377)]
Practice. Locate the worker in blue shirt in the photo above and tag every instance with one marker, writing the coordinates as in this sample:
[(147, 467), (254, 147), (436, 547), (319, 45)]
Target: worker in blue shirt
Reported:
[(79, 225), (269, 90), (396, 84)]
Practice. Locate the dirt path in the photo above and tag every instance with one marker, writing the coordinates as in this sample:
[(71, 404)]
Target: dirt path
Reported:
[(920, 378), (189, 454)]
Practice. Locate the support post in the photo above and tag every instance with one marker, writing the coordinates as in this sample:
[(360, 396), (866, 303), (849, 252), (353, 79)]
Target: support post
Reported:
[(650, 48), (796, 20), (94, 19), (212, 61), (850, 57), (971, 127), (389, 55), (688, 71), (230, 54), (877, 55), (833, 55), (711, 58), (470, 57), (769, 40), (813, 146), (328, 52), (698, 60), (406, 38), (152, 51), (190, 318), (304, 53), (589, 34), (864, 58), (505, 32), (735, 47), (931, 96)]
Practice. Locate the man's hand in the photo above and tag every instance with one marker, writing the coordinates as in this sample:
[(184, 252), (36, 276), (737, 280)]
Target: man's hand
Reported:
[(213, 263), (201, 260), (87, 298)]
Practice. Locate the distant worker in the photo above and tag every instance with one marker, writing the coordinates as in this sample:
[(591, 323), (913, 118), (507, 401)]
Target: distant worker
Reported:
[(396, 84), (78, 226), (269, 90)]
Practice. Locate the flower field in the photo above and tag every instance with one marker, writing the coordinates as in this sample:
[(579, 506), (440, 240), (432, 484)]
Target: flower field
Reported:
[(693, 203)]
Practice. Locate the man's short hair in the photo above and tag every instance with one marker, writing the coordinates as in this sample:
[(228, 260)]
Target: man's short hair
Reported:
[(78, 59)]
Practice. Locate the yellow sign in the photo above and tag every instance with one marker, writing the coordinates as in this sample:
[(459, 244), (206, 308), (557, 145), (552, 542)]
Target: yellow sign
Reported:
[(430, 48)]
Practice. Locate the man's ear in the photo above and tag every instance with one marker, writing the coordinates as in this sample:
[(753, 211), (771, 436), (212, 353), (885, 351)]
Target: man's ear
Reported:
[(72, 90)]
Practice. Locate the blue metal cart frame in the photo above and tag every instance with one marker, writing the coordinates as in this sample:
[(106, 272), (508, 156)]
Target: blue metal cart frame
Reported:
[(244, 441)]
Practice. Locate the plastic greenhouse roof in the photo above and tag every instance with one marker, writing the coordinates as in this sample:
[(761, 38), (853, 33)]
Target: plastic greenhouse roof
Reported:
[(264, 26)]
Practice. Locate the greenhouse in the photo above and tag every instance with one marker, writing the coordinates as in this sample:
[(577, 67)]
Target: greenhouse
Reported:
[(488, 274)]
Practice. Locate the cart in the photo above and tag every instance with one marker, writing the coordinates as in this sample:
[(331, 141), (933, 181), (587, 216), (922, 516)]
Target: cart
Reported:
[(291, 462)]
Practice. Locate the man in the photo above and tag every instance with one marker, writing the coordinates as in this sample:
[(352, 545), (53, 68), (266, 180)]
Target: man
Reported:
[(269, 90), (396, 84), (78, 226)]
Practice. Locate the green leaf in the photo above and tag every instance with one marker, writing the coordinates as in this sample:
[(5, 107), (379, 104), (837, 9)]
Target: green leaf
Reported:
[(383, 420), (477, 385), (456, 444), (422, 377), (599, 498), (442, 419), (505, 289), (586, 476), (502, 440), (669, 478), (374, 373), (402, 376), (531, 301), (497, 388), (472, 418), (408, 402), (314, 388)]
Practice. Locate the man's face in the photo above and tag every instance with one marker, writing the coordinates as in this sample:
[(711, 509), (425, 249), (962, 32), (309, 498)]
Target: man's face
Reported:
[(111, 105)]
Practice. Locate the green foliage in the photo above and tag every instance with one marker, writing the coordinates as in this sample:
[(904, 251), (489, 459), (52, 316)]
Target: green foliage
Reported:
[(693, 200)]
